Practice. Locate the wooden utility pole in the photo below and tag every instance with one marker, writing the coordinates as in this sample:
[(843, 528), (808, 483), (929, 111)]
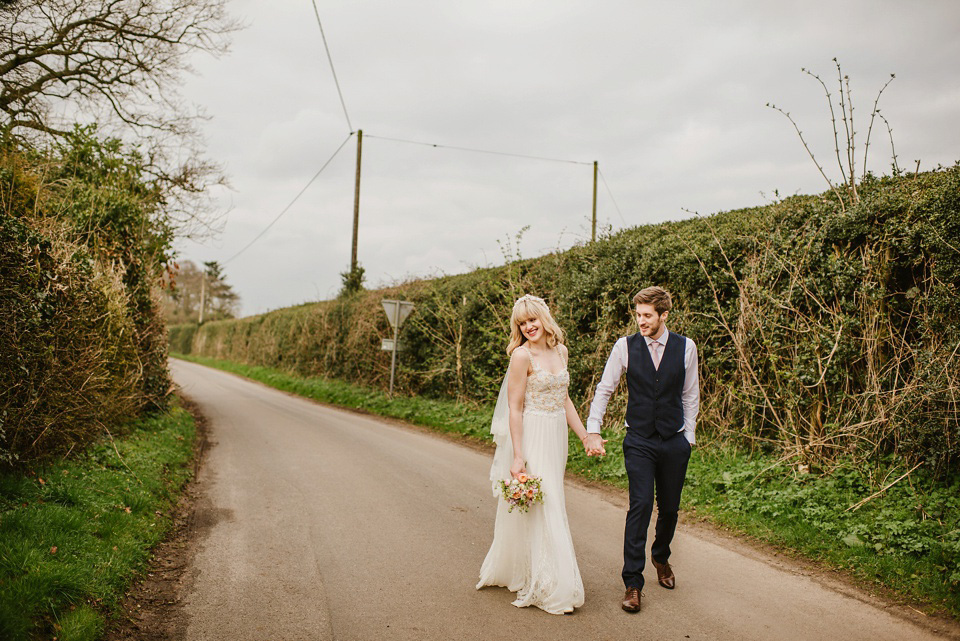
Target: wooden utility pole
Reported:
[(356, 204), (593, 232)]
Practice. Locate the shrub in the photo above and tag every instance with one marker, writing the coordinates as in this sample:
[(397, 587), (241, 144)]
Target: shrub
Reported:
[(82, 344), (68, 360)]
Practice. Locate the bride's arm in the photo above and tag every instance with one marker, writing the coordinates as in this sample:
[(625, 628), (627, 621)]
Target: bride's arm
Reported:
[(516, 388), (573, 417), (573, 420)]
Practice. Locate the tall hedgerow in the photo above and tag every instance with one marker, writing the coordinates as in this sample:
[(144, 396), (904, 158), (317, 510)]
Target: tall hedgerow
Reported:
[(823, 330), (102, 192), (82, 345)]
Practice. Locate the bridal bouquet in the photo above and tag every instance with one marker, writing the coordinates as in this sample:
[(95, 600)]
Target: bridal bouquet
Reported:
[(521, 492)]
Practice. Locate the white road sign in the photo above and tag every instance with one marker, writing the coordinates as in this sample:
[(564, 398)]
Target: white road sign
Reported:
[(387, 345), (397, 311)]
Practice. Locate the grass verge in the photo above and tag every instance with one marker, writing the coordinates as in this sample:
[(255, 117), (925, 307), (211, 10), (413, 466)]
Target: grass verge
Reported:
[(906, 538), (74, 533)]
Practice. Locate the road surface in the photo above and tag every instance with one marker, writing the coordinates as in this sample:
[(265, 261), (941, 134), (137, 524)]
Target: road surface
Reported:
[(323, 524)]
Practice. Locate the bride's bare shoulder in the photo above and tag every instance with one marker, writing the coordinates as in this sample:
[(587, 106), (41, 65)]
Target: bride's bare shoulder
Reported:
[(520, 356)]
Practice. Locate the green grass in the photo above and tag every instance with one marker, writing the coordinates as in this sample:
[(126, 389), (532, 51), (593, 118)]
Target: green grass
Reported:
[(907, 539), (74, 533)]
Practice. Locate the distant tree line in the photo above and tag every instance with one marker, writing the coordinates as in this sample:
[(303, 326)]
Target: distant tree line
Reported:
[(197, 295)]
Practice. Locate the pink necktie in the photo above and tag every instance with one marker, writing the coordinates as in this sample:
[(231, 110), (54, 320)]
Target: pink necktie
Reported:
[(655, 353)]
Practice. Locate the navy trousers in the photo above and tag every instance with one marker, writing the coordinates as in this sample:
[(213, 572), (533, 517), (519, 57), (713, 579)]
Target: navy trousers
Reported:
[(654, 466)]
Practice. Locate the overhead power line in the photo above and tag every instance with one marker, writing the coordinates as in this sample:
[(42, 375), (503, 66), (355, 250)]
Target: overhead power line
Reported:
[(330, 60), (290, 204), (480, 151), (614, 200)]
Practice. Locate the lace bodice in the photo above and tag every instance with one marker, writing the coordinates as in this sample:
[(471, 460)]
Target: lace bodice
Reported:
[(546, 392)]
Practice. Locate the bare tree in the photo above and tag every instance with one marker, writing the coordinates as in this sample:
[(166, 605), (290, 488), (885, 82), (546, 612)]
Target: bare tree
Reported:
[(117, 62)]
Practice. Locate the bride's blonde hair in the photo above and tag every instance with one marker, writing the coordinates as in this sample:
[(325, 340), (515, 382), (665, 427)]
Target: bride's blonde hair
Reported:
[(528, 307)]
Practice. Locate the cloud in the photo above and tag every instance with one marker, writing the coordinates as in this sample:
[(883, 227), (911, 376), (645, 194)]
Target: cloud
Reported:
[(669, 98)]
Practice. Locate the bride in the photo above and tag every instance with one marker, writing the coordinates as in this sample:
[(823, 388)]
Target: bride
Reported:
[(532, 553)]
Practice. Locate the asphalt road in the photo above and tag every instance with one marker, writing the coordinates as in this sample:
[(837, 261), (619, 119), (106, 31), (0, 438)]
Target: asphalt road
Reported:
[(323, 524)]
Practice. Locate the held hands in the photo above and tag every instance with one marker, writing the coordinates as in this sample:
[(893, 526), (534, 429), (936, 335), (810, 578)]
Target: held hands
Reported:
[(593, 444)]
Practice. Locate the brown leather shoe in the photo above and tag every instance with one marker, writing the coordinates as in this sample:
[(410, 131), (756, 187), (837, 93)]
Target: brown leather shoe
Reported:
[(631, 600), (665, 575)]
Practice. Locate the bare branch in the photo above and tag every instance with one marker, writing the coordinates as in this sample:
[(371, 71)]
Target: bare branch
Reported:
[(852, 146), (847, 166), (121, 60), (843, 112), (874, 114), (810, 153), (833, 120)]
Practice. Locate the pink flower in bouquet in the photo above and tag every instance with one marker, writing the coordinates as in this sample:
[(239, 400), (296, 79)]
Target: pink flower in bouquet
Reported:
[(530, 493), (523, 478)]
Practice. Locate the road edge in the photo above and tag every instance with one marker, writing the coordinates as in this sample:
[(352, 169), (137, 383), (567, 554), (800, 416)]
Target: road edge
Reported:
[(152, 608)]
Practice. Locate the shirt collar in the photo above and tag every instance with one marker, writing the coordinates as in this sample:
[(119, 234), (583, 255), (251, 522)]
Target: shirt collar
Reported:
[(662, 340)]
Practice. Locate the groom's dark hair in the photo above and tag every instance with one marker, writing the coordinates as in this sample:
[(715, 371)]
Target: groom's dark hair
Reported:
[(656, 296)]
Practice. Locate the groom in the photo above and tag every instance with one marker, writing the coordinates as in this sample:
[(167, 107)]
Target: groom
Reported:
[(662, 406)]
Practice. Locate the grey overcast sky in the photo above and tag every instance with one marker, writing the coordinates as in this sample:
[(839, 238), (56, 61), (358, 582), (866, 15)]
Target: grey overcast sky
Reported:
[(668, 97)]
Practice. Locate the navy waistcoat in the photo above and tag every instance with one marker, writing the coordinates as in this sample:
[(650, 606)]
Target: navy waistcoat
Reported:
[(655, 403)]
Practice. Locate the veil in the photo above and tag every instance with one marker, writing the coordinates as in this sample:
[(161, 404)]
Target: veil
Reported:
[(500, 429)]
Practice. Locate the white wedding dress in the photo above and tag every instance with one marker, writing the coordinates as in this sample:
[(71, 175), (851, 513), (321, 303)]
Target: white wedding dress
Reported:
[(532, 553)]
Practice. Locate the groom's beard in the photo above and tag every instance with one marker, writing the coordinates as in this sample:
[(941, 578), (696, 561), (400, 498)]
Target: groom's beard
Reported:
[(652, 329)]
